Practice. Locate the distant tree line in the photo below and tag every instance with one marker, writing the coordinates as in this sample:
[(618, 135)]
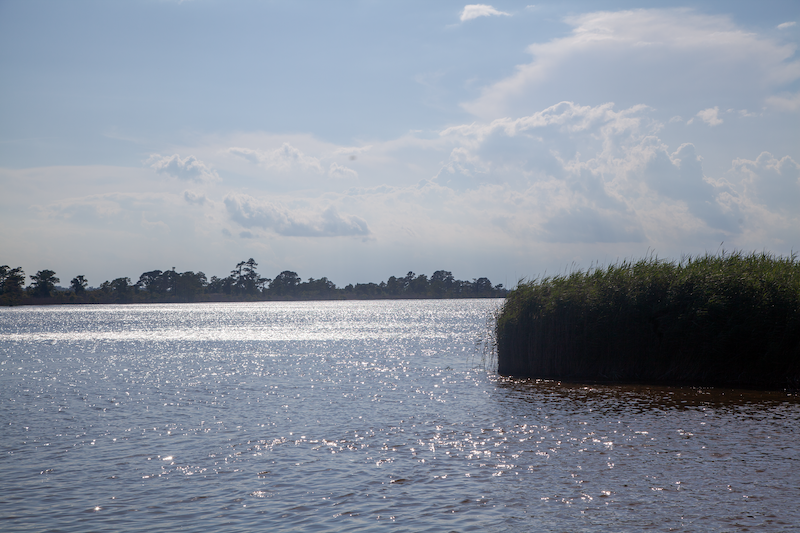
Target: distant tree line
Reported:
[(243, 284)]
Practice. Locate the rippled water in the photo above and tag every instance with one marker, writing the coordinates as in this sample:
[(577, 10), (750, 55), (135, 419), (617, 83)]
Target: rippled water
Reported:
[(359, 416)]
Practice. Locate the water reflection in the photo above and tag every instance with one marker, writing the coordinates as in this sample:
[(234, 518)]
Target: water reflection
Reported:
[(683, 450), (630, 398)]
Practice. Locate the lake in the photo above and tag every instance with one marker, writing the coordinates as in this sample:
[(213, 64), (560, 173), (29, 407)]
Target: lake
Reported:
[(360, 416)]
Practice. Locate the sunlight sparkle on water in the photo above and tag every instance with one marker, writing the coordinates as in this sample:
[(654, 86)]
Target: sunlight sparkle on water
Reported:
[(344, 414)]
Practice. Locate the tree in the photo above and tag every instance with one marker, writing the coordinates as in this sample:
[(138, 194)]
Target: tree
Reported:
[(442, 282), (168, 281), (284, 283), (370, 289), (12, 280), (189, 284), (151, 281), (44, 282), (317, 287), (394, 286), (407, 281), (245, 278), (78, 284), (121, 288), (5, 271), (419, 286), (482, 286), (219, 285)]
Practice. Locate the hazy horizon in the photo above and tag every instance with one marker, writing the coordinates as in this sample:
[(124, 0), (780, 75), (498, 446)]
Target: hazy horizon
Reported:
[(362, 140)]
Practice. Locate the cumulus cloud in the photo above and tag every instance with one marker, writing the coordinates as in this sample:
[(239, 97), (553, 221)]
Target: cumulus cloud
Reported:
[(562, 175), (785, 102), (679, 176), (339, 171), (569, 117), (251, 212), (580, 179), (786, 25), (352, 151), (590, 225), (254, 156), (463, 170), (189, 169), (473, 11), (710, 116), (194, 198), (583, 174), (285, 158), (657, 56), (567, 197), (772, 182)]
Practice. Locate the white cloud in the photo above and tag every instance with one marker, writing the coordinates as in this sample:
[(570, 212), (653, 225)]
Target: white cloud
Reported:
[(473, 11), (785, 102), (567, 116), (679, 176), (710, 116), (251, 212), (190, 168), (352, 151), (284, 159), (589, 225), (565, 174), (287, 157), (254, 156), (339, 171), (663, 57), (771, 182), (786, 25), (462, 170), (194, 198), (568, 181), (588, 174)]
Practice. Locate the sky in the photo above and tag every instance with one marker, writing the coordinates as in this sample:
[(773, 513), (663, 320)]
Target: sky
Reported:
[(359, 140)]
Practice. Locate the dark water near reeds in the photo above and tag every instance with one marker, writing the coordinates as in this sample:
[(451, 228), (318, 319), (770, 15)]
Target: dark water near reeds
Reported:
[(359, 416)]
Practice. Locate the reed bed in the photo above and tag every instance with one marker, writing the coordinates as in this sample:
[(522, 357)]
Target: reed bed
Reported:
[(729, 319)]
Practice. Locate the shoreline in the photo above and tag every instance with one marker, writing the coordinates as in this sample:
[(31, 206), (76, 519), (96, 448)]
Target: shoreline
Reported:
[(55, 301)]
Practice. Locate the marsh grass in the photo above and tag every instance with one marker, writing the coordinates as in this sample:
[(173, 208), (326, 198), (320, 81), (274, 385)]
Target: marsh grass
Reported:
[(726, 319)]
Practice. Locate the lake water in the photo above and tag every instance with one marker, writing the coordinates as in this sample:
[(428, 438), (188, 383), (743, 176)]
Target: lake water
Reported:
[(359, 416)]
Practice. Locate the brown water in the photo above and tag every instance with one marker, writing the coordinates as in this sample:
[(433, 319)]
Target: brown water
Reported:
[(359, 416)]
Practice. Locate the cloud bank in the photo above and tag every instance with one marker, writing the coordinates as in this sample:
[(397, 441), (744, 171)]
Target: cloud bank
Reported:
[(664, 56), (251, 212), (283, 159)]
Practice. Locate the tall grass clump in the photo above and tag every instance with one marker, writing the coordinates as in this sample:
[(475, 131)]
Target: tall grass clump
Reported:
[(730, 319)]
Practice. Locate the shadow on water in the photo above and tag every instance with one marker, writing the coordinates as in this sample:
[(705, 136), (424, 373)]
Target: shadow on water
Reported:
[(633, 398)]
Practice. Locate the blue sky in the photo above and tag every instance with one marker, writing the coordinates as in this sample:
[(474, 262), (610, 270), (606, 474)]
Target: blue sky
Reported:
[(360, 140)]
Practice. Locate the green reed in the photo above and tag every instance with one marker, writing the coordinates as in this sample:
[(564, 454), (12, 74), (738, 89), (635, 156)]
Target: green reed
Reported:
[(729, 319)]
